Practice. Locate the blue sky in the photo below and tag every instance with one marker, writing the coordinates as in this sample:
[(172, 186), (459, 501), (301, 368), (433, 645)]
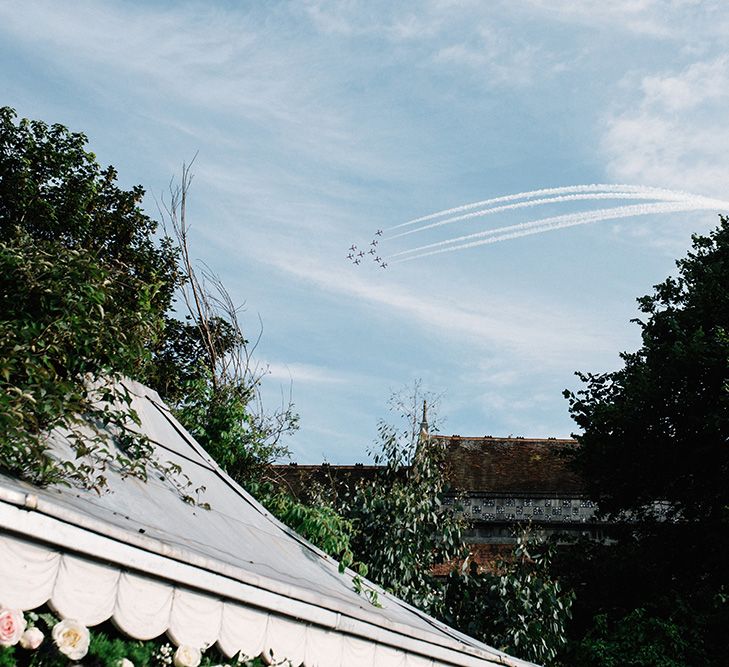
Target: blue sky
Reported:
[(318, 122)]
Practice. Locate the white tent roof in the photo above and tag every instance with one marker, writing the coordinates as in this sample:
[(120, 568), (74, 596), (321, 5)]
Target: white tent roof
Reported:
[(232, 575)]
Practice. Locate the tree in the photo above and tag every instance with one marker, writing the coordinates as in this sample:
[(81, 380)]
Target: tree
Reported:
[(52, 187), (86, 291), (84, 288), (518, 605), (63, 344), (658, 428), (655, 454), (402, 526), (206, 372), (637, 640)]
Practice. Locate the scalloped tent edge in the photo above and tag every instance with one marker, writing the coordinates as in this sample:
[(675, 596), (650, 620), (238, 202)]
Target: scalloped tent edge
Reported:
[(232, 576)]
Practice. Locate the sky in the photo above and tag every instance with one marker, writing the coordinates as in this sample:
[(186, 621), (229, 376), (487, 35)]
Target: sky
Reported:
[(316, 123)]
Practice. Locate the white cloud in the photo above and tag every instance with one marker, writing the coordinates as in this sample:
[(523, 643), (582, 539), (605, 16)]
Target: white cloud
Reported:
[(499, 55), (676, 134), (299, 373), (698, 85), (663, 19), (201, 59), (492, 323)]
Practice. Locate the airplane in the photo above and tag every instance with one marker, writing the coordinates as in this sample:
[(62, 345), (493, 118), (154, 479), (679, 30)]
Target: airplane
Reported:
[(353, 247), (350, 256), (357, 261), (360, 254), (372, 251), (378, 259), (374, 242), (378, 232), (383, 265)]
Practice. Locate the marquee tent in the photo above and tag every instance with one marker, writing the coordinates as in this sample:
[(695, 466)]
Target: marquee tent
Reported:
[(231, 575)]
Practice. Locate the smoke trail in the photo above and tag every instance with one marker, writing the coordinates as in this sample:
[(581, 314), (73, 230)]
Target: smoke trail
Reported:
[(595, 187), (693, 203), (548, 200), (559, 222)]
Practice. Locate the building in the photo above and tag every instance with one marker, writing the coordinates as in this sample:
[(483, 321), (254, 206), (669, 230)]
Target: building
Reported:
[(504, 483), (499, 484)]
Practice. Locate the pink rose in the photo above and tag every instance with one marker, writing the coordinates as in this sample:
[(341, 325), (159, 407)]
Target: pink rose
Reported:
[(12, 626)]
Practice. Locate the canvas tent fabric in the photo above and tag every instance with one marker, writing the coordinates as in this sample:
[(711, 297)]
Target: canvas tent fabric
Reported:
[(231, 575)]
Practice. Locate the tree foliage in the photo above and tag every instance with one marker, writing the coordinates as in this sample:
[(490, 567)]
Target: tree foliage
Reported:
[(205, 370), (518, 605), (402, 529), (87, 291), (402, 526), (639, 639), (52, 187), (655, 454), (83, 288), (658, 428), (64, 342)]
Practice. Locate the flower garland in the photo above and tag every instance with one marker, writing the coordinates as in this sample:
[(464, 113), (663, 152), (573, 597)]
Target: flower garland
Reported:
[(66, 642)]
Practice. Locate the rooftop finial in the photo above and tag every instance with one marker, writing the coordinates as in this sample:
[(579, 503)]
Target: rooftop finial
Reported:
[(424, 422)]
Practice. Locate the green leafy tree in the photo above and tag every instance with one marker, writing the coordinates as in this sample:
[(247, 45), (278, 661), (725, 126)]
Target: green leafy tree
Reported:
[(654, 453), (206, 371), (402, 526), (63, 343), (517, 605), (54, 190), (84, 288), (637, 640), (657, 429), (87, 291)]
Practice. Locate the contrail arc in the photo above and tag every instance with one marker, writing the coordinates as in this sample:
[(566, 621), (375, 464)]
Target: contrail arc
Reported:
[(598, 214), (557, 222), (568, 189), (674, 196)]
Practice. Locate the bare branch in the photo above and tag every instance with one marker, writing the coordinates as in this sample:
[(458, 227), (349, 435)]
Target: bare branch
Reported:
[(230, 355)]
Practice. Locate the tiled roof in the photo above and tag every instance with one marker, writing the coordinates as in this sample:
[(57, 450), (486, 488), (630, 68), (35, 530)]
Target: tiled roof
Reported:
[(297, 478), (510, 465)]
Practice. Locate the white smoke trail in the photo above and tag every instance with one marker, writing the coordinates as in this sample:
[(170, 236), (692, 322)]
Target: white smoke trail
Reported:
[(558, 222), (668, 196), (569, 189)]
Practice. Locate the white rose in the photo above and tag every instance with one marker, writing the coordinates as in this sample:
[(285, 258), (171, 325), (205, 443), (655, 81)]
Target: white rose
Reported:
[(32, 638), (125, 663), (12, 626), (72, 638), (187, 656)]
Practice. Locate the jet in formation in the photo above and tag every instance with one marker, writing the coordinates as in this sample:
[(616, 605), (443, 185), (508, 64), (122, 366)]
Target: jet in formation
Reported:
[(355, 255)]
